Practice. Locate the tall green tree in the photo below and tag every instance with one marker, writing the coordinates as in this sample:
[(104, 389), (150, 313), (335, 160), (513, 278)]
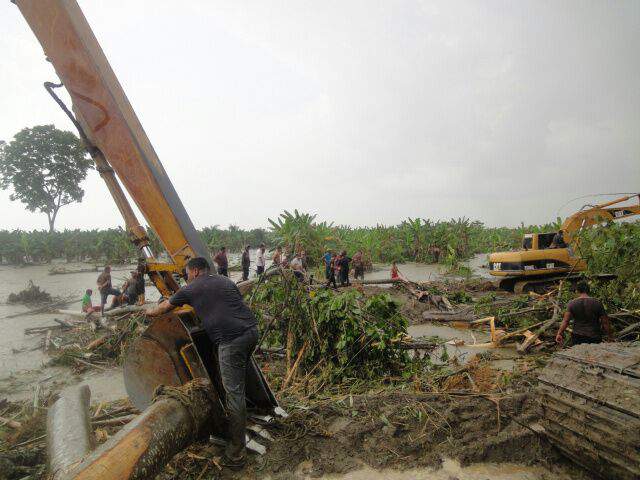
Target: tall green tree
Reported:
[(44, 168)]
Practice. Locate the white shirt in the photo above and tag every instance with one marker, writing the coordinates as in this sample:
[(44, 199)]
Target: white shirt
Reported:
[(260, 262)]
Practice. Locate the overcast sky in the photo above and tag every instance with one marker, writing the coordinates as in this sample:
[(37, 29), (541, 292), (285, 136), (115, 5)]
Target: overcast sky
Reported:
[(363, 112)]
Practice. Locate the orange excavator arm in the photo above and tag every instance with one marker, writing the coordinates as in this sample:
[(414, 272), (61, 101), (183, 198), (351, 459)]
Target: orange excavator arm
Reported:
[(592, 215), (114, 136)]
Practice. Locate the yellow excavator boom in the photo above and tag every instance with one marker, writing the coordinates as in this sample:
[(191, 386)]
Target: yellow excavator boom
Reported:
[(174, 348), (592, 215), (117, 139)]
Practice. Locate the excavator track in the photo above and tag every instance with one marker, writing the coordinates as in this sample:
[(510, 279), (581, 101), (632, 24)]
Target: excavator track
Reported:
[(590, 406), (541, 284)]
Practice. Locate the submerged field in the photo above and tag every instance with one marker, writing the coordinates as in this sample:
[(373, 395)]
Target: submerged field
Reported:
[(386, 386), (461, 411)]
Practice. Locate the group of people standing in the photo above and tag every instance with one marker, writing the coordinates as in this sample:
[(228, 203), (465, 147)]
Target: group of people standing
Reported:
[(337, 267), (297, 262), (222, 261)]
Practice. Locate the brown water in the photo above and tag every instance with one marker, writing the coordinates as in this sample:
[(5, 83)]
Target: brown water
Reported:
[(420, 272), (451, 469), (462, 344), (22, 362)]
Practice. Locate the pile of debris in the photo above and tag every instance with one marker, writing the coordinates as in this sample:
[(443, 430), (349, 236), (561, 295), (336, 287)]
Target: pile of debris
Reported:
[(30, 296), (98, 343)]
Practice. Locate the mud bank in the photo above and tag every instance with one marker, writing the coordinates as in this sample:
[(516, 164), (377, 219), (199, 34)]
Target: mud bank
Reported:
[(400, 435)]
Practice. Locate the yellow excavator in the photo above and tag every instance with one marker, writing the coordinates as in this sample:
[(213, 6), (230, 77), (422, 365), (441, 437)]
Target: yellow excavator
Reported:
[(546, 258), (174, 349)]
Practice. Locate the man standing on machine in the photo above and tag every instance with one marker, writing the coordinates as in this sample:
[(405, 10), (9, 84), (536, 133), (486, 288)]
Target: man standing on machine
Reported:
[(232, 328)]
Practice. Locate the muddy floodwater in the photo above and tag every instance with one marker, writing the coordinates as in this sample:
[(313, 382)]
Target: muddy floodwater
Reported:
[(451, 469), (23, 363), (420, 272), (462, 344)]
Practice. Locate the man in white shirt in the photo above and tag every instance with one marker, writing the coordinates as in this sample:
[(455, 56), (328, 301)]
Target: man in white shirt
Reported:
[(260, 259), (298, 267)]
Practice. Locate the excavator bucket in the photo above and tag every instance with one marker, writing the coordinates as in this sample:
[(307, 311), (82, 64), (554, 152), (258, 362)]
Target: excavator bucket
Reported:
[(173, 350)]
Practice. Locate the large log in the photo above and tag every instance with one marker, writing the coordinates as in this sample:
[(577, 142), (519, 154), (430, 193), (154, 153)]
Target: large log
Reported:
[(69, 436), (178, 416), (590, 406), (114, 312)]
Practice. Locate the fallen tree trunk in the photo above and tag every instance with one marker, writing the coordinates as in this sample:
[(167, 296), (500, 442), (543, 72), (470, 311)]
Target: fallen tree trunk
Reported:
[(515, 333), (63, 323), (630, 329), (177, 417), (122, 310), (69, 436), (440, 316)]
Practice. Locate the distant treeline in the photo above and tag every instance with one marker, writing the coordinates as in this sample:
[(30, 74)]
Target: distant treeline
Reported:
[(416, 240), (99, 246)]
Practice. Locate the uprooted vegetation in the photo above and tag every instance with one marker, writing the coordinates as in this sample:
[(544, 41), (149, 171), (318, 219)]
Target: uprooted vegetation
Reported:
[(331, 335), (32, 295), (400, 425), (80, 345)]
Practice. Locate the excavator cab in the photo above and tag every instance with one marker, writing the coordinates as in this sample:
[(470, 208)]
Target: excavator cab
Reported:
[(537, 241)]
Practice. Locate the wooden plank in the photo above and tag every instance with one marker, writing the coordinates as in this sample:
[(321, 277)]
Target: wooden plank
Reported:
[(590, 458)]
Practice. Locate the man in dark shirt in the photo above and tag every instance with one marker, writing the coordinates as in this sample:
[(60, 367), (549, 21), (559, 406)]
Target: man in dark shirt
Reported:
[(344, 268), (232, 328), (246, 263), (222, 262), (358, 265), (558, 240), (589, 318), (130, 288), (140, 284), (134, 290)]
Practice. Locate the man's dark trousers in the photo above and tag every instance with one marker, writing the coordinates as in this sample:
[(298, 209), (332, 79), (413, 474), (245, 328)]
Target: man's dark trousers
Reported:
[(245, 272), (104, 294), (578, 339), (344, 276), (234, 357), (223, 271)]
